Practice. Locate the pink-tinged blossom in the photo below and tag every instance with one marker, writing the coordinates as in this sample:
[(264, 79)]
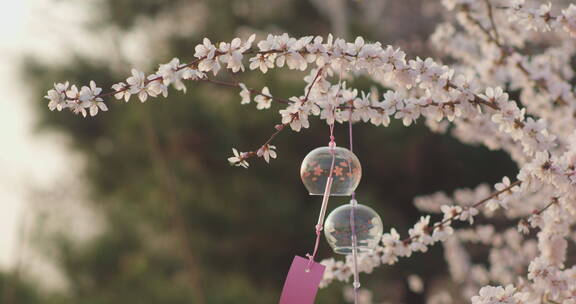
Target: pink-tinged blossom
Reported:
[(267, 152), (122, 91), (239, 159)]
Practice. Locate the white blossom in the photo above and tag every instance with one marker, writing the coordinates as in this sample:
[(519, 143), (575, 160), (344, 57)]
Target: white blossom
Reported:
[(267, 152), (57, 97), (171, 73), (122, 91), (468, 214), (206, 52), (77, 105), (496, 294), (93, 101), (244, 94), (239, 159), (232, 54), (264, 100), (263, 62)]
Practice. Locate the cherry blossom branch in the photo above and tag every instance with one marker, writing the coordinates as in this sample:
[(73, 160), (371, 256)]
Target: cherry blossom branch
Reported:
[(507, 51), (190, 65), (466, 9), (542, 18), (190, 70), (524, 223), (447, 96), (456, 213), (240, 85), (421, 236), (266, 150), (492, 22)]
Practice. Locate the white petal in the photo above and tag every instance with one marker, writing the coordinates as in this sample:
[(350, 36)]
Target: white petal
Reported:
[(93, 110)]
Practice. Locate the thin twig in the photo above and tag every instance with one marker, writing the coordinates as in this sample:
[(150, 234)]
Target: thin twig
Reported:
[(492, 22), (237, 85), (281, 127), (507, 51), (457, 214), (553, 201)]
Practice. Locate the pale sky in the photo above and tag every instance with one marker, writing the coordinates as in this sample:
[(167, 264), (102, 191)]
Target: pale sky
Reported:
[(27, 160), (30, 161)]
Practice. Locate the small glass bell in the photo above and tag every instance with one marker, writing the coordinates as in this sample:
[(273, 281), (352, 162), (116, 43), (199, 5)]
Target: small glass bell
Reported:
[(367, 224), (316, 168)]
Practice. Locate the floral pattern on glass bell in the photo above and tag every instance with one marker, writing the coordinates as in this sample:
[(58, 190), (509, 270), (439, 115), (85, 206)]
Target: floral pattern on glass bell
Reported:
[(367, 224), (316, 168)]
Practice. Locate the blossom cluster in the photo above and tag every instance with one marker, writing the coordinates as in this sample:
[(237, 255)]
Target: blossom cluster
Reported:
[(498, 294), (209, 59), (495, 94), (423, 234), (542, 18), (64, 96), (530, 16)]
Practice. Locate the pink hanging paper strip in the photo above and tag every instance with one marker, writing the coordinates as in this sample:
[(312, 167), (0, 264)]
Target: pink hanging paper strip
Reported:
[(301, 285)]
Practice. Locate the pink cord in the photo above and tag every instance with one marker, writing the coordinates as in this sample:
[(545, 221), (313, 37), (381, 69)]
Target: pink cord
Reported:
[(325, 198)]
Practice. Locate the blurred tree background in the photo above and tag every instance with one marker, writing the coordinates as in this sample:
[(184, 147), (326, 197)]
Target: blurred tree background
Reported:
[(180, 224)]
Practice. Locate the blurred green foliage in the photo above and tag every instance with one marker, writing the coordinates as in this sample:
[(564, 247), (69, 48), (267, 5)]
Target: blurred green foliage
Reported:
[(182, 226)]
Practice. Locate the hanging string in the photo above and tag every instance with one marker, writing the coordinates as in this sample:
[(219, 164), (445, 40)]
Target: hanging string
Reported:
[(325, 198), (353, 203)]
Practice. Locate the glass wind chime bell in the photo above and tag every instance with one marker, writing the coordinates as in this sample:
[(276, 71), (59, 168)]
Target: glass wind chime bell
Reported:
[(340, 225), (367, 226), (316, 166), (349, 229)]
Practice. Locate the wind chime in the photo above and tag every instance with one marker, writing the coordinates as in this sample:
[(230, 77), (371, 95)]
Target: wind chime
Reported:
[(349, 229)]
